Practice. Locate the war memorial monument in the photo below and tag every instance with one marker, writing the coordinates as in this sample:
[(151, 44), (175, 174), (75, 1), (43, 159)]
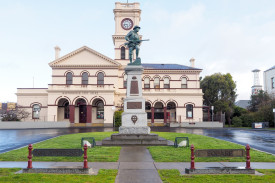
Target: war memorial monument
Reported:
[(134, 129)]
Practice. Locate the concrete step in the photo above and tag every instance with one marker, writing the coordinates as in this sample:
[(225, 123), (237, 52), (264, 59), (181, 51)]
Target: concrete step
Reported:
[(134, 136), (135, 142)]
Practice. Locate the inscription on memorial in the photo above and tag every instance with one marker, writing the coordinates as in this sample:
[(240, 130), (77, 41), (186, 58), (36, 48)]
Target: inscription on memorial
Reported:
[(134, 105), (57, 152), (219, 153), (134, 86)]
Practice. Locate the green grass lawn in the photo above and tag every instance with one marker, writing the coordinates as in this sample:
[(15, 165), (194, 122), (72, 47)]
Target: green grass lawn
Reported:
[(171, 154), (104, 176), (97, 154), (173, 176), (159, 153)]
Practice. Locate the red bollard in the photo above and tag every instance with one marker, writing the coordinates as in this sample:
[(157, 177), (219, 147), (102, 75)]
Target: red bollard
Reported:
[(30, 157), (85, 156), (192, 157), (247, 157)]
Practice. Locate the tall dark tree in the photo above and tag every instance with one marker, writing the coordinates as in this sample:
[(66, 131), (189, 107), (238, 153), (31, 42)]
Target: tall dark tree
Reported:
[(219, 91), (256, 101)]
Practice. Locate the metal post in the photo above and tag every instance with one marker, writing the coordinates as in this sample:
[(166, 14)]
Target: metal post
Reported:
[(85, 157), (247, 157), (30, 156), (212, 108), (192, 157)]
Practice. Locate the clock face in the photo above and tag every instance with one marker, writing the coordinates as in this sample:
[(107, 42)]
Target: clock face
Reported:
[(127, 23)]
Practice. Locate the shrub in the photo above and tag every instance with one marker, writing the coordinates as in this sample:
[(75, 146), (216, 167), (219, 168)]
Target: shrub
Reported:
[(118, 118), (237, 122), (247, 119)]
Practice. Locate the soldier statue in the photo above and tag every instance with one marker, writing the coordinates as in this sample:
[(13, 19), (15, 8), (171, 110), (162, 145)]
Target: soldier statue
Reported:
[(133, 42)]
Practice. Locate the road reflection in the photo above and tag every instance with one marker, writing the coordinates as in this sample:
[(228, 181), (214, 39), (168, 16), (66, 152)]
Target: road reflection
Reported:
[(263, 139)]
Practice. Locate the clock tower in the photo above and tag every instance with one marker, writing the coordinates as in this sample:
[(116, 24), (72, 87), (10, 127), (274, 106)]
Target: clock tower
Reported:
[(127, 15)]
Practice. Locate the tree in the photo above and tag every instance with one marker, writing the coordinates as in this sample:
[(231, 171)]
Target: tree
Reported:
[(15, 115), (256, 101), (219, 91), (21, 113)]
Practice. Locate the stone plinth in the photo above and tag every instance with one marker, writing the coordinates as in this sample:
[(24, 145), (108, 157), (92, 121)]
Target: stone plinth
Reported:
[(218, 170), (59, 170), (134, 139), (134, 117)]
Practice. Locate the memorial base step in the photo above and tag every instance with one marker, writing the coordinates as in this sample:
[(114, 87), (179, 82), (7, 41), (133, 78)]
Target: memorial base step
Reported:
[(135, 140)]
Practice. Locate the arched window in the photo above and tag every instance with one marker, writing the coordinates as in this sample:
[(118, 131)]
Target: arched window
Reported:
[(100, 110), (66, 111), (146, 82), (122, 53), (166, 83), (189, 111), (100, 78), (36, 111), (69, 78), (156, 83), (85, 78), (183, 83), (125, 81)]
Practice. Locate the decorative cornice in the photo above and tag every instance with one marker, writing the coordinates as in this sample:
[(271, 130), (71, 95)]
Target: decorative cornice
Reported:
[(53, 63), (84, 66)]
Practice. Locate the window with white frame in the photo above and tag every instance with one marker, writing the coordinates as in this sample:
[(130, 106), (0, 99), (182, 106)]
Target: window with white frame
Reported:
[(146, 82), (125, 81), (166, 82), (36, 111), (122, 53), (100, 110), (100, 78), (189, 111), (69, 78), (85, 77), (183, 82), (156, 83)]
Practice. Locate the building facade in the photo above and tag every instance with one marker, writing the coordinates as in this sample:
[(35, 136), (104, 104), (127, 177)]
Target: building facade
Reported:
[(269, 81), (87, 86)]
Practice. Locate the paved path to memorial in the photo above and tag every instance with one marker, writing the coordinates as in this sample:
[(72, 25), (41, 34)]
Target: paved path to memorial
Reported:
[(136, 165)]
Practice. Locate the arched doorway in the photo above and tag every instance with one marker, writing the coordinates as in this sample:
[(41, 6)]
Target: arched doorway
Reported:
[(171, 112), (98, 111), (81, 110), (63, 110), (159, 112)]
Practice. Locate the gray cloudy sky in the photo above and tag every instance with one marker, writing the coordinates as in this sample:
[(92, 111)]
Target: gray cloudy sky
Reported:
[(227, 36)]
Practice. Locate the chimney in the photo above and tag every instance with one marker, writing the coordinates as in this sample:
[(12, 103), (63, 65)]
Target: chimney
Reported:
[(57, 52), (192, 62)]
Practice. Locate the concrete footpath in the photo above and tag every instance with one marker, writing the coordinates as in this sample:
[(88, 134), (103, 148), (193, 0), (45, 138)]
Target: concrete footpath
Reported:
[(136, 165)]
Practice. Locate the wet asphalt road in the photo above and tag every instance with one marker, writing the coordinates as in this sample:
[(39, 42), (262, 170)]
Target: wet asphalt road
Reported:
[(263, 140)]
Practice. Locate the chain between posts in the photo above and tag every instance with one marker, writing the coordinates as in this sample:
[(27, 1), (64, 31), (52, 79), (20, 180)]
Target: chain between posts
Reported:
[(30, 156)]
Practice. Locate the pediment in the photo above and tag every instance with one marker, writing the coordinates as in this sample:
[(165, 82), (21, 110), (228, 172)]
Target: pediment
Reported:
[(84, 57)]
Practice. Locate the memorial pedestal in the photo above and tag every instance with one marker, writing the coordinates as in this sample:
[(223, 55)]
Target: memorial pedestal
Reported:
[(134, 129)]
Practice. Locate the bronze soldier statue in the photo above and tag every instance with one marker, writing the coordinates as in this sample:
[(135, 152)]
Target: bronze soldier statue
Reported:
[(133, 42)]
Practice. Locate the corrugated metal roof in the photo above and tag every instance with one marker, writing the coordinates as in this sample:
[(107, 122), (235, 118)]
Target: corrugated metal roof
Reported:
[(270, 68), (168, 67), (243, 103)]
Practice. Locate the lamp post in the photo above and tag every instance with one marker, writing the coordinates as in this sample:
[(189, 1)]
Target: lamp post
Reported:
[(274, 115), (114, 119), (212, 108)]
